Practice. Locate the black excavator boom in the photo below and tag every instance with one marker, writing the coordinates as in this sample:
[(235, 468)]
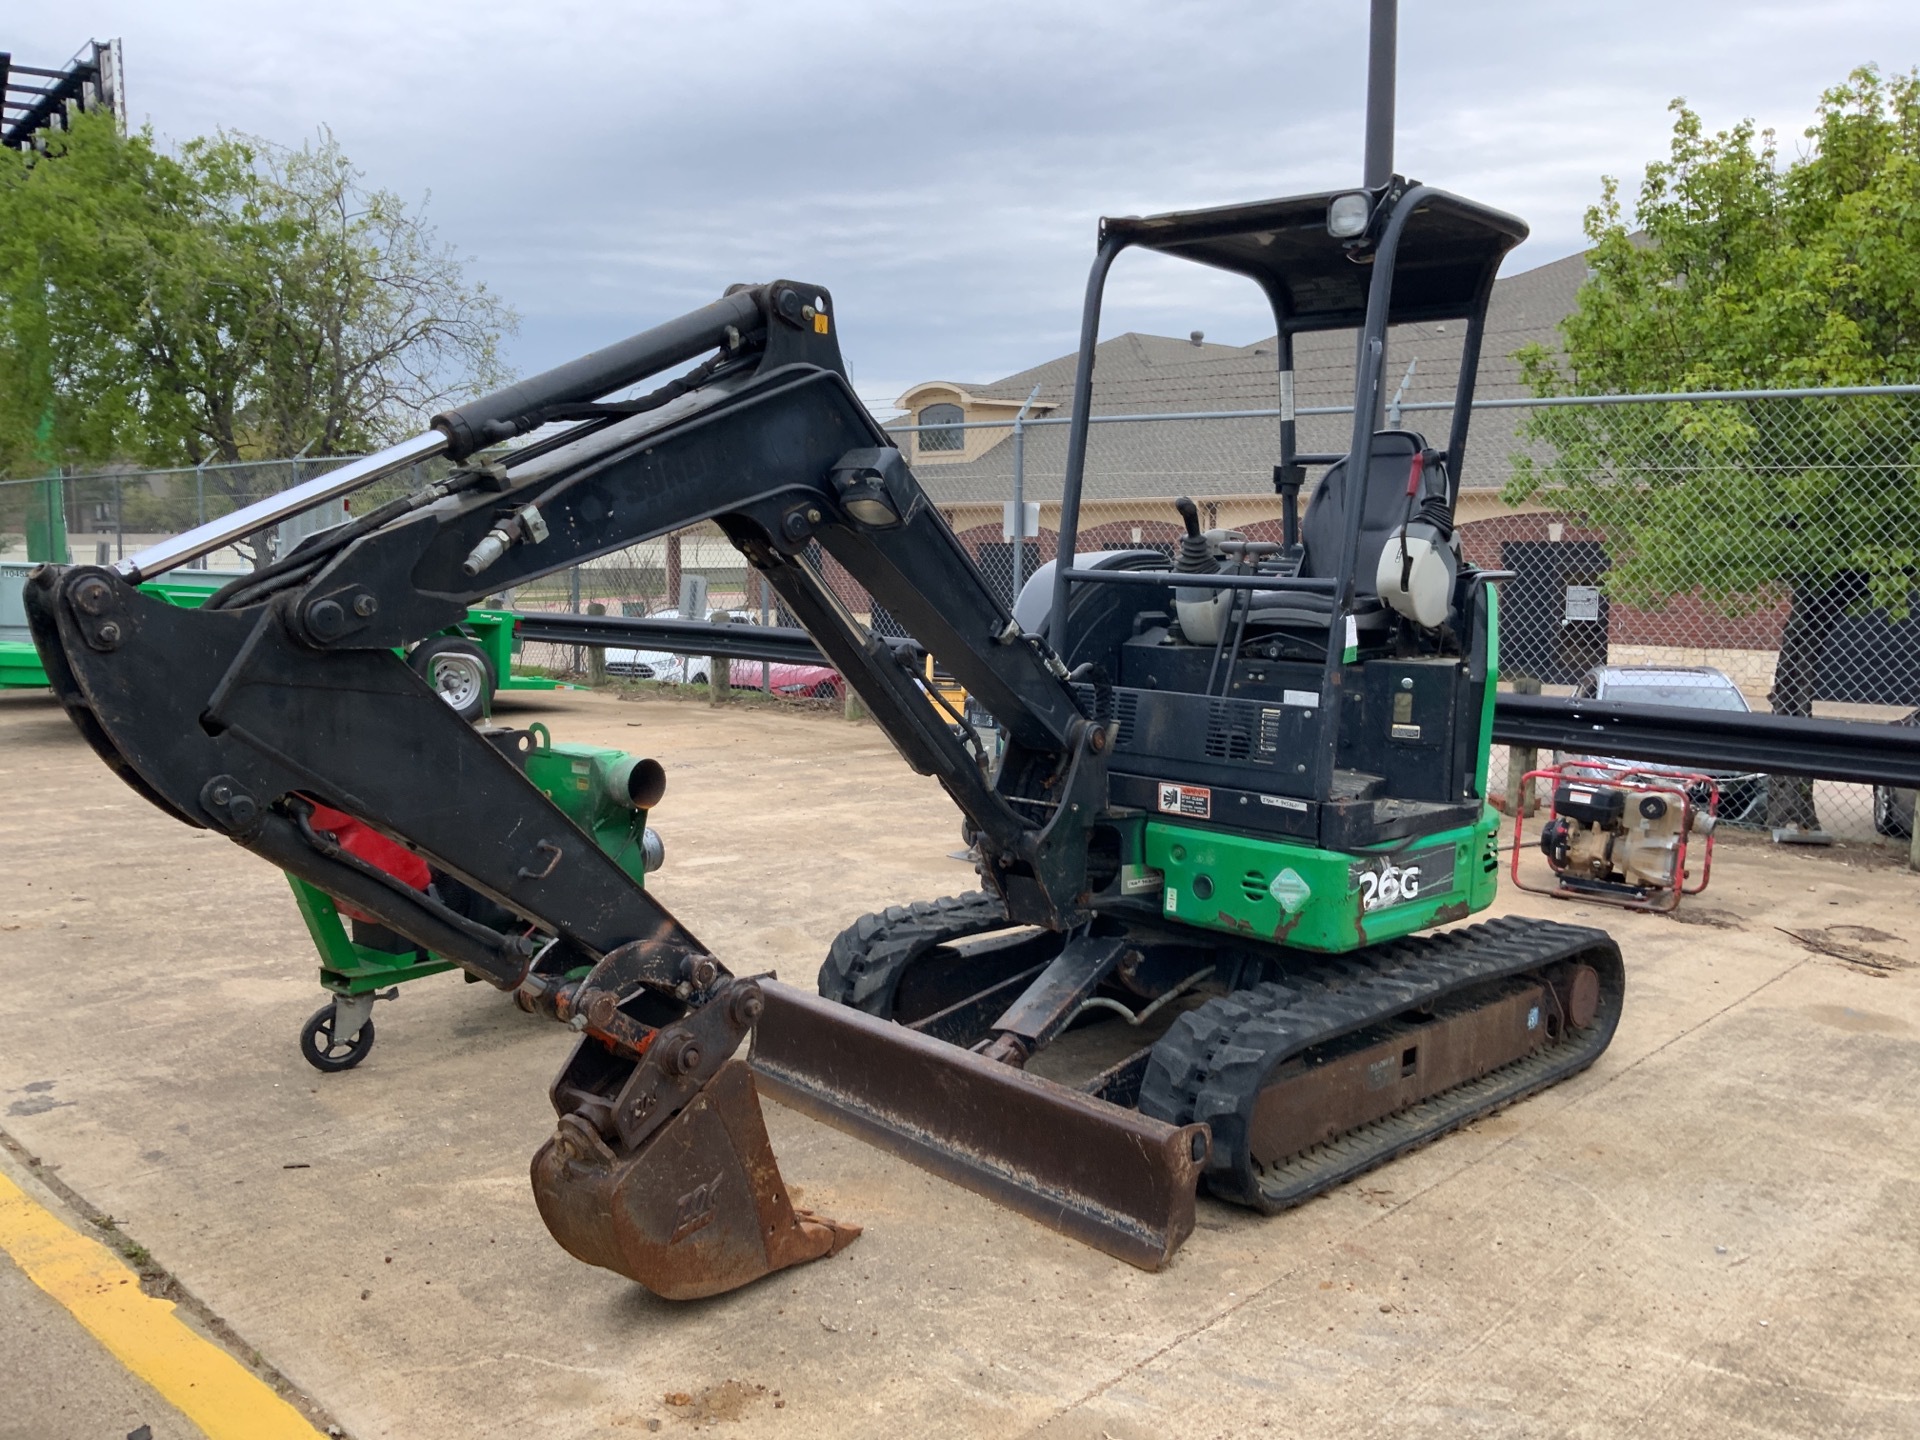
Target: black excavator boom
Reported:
[(285, 693)]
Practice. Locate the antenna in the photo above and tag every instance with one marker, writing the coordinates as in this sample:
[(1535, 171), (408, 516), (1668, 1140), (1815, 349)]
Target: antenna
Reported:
[(1380, 78)]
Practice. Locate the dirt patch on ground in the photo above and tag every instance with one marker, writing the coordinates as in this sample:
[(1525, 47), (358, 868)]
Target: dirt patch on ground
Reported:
[(1701, 915), (725, 1403), (1852, 945), (1861, 854), (1870, 1022)]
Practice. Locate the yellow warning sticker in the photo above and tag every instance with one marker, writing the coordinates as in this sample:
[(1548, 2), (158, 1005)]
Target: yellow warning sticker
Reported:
[(819, 323)]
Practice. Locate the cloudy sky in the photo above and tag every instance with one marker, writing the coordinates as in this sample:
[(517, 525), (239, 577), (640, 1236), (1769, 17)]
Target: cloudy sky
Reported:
[(940, 166)]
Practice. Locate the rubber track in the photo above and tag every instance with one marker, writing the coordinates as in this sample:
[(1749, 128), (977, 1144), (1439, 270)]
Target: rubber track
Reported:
[(865, 961), (1211, 1064)]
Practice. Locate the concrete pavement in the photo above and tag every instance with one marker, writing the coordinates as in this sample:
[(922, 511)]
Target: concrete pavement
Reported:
[(1713, 1231)]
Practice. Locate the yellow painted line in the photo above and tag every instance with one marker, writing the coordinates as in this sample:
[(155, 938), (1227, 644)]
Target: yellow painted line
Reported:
[(194, 1375)]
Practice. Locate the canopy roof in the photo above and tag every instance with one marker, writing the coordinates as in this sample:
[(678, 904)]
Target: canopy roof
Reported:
[(1450, 248)]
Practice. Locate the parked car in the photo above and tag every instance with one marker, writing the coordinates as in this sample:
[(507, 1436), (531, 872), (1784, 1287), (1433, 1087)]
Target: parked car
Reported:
[(1743, 795), (816, 682), (1892, 806), (665, 667)]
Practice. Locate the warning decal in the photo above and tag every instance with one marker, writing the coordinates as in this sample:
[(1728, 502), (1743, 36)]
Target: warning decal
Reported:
[(1193, 801)]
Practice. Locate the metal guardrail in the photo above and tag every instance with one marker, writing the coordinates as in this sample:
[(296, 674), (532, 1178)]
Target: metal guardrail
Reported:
[(1844, 750), (776, 644)]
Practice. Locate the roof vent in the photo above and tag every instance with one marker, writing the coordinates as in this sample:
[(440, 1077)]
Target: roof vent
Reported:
[(1197, 336)]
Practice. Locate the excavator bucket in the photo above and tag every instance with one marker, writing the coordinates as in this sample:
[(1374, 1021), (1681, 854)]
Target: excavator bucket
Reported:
[(697, 1209), (1110, 1177)]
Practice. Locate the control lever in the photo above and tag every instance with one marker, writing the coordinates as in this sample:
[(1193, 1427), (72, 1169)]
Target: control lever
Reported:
[(1196, 555)]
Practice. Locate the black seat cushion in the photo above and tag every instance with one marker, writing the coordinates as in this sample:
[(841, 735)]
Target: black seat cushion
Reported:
[(1323, 527), (1289, 610)]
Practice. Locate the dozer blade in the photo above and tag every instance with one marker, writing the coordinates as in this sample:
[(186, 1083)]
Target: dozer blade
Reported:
[(698, 1209), (1109, 1177)]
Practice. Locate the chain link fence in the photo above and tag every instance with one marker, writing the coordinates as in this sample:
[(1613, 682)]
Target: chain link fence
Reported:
[(1749, 550), (106, 516), (1739, 550)]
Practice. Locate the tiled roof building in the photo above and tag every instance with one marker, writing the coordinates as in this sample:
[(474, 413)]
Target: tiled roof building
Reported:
[(1153, 374)]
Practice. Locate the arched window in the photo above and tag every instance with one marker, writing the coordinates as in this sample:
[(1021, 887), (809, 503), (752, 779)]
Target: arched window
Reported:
[(952, 438)]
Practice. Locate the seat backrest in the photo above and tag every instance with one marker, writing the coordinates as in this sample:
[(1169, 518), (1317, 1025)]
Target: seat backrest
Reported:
[(1384, 502)]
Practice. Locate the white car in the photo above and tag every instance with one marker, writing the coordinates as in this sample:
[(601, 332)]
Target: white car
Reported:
[(660, 665), (1743, 796)]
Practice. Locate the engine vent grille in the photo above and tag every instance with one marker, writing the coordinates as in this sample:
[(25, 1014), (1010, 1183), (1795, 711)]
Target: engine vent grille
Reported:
[(1229, 736), (1254, 886)]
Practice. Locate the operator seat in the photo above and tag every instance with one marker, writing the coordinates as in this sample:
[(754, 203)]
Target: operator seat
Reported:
[(1323, 529)]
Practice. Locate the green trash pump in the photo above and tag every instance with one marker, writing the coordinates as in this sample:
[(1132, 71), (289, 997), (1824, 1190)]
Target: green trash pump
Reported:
[(607, 793)]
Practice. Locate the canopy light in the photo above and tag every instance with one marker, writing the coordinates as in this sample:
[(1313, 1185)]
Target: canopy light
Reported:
[(1348, 214)]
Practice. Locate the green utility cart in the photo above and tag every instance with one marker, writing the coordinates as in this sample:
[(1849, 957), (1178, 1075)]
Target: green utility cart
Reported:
[(605, 792)]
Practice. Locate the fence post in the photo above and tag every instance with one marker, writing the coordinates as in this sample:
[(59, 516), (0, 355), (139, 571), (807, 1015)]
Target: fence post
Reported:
[(200, 503), (766, 593), (1019, 500), (1913, 831), (1020, 489), (1521, 759), (719, 667), (573, 604), (1393, 405), (596, 655)]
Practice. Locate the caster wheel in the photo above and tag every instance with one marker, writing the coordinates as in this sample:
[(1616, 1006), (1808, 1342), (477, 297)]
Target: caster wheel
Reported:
[(323, 1051)]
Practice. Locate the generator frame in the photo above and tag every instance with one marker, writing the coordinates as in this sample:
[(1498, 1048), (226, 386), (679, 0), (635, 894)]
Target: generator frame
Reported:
[(1678, 786)]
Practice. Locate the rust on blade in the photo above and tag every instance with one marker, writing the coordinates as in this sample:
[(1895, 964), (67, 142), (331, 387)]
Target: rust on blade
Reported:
[(1111, 1178)]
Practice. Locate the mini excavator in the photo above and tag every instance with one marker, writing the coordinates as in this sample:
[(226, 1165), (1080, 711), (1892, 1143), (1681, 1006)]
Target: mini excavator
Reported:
[(1237, 787)]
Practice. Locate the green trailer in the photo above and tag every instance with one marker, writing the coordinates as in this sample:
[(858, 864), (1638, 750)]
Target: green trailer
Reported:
[(467, 663)]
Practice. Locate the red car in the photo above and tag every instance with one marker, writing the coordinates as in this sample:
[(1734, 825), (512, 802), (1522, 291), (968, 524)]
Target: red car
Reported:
[(815, 682)]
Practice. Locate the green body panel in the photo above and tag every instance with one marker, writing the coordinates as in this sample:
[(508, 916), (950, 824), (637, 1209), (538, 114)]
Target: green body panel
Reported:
[(588, 783), (20, 666), (492, 631), (1312, 899)]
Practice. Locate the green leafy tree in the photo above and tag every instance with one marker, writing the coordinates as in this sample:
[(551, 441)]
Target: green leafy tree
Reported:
[(231, 301), (1742, 272)]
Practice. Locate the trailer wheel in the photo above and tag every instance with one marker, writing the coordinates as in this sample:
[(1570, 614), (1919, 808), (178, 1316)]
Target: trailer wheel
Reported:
[(322, 1051), (459, 672)]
